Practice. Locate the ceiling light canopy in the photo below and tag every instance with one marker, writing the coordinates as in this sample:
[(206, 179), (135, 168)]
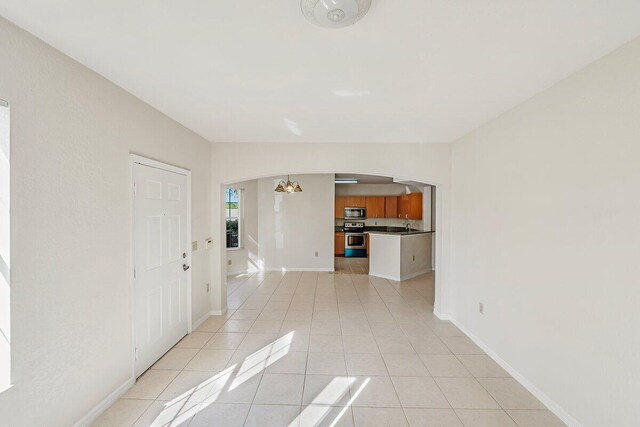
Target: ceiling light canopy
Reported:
[(334, 13), (288, 187)]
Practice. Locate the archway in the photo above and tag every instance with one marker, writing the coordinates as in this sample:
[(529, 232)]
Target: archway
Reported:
[(441, 234)]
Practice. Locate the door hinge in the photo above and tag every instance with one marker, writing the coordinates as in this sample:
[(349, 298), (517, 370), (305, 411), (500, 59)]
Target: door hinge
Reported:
[(135, 188), (134, 272), (136, 354)]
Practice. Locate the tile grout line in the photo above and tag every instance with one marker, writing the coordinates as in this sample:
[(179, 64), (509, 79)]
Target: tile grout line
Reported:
[(257, 389)]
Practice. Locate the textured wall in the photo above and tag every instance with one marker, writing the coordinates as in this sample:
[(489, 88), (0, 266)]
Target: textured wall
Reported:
[(546, 233), (71, 135)]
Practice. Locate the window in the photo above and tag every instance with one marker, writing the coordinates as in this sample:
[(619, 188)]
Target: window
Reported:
[(233, 211), (5, 316)]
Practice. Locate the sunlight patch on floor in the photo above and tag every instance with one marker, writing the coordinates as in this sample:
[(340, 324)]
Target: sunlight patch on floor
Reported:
[(262, 358), (196, 399)]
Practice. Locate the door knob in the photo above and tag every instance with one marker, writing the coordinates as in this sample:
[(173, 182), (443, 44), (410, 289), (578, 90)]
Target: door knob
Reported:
[(185, 267)]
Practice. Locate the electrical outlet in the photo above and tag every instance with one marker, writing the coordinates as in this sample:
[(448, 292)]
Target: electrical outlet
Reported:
[(481, 308), (194, 246), (229, 262), (316, 253), (207, 287)]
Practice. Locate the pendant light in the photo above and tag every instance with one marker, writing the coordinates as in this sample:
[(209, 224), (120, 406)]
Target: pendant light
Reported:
[(288, 187)]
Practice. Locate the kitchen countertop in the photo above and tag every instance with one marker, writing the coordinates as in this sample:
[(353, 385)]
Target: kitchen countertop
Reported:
[(400, 233), (386, 230)]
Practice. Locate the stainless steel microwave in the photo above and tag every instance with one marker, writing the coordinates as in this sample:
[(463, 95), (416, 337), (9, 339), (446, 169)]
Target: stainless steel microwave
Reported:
[(355, 213)]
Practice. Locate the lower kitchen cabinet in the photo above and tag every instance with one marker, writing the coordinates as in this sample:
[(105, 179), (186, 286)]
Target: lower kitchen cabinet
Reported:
[(339, 244)]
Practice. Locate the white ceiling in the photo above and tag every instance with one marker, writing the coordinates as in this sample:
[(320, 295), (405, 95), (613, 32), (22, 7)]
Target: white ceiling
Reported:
[(254, 71)]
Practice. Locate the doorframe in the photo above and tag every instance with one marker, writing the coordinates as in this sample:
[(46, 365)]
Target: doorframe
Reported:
[(145, 161)]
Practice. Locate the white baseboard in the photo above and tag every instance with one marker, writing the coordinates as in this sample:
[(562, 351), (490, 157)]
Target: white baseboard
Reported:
[(208, 314), (105, 404), (383, 276), (416, 274), (441, 316), (205, 316), (405, 277), (246, 271), (539, 394), (299, 269), (200, 321)]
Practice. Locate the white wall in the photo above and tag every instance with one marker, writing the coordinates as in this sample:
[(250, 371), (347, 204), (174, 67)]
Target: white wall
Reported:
[(245, 259), (427, 193), (428, 163), (72, 132), (546, 232), (293, 227), (5, 248)]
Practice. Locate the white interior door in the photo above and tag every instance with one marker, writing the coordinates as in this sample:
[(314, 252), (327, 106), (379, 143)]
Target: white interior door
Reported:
[(161, 259)]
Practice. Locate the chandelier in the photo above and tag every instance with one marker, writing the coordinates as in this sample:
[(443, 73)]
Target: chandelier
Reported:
[(288, 187)]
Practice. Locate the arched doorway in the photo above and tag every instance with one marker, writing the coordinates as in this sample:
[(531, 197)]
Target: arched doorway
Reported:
[(222, 259)]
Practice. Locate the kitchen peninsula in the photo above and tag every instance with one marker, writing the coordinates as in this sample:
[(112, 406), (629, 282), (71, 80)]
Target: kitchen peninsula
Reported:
[(400, 255)]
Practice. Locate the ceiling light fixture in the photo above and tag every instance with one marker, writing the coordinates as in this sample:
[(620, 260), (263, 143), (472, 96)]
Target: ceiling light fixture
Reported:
[(288, 187), (334, 13), (346, 181)]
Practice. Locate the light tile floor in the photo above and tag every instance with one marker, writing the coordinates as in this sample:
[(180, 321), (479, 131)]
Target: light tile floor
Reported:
[(321, 349)]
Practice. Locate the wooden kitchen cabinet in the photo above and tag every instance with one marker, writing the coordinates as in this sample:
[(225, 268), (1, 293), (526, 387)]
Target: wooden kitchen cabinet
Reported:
[(406, 206), (403, 206), (340, 204), (339, 244), (375, 207), (410, 206), (391, 207), (355, 202), (415, 206)]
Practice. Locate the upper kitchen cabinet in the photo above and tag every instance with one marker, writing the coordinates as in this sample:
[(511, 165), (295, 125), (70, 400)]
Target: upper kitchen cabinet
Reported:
[(415, 206), (391, 207), (406, 206), (355, 202), (375, 206), (340, 205), (410, 206), (403, 206)]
